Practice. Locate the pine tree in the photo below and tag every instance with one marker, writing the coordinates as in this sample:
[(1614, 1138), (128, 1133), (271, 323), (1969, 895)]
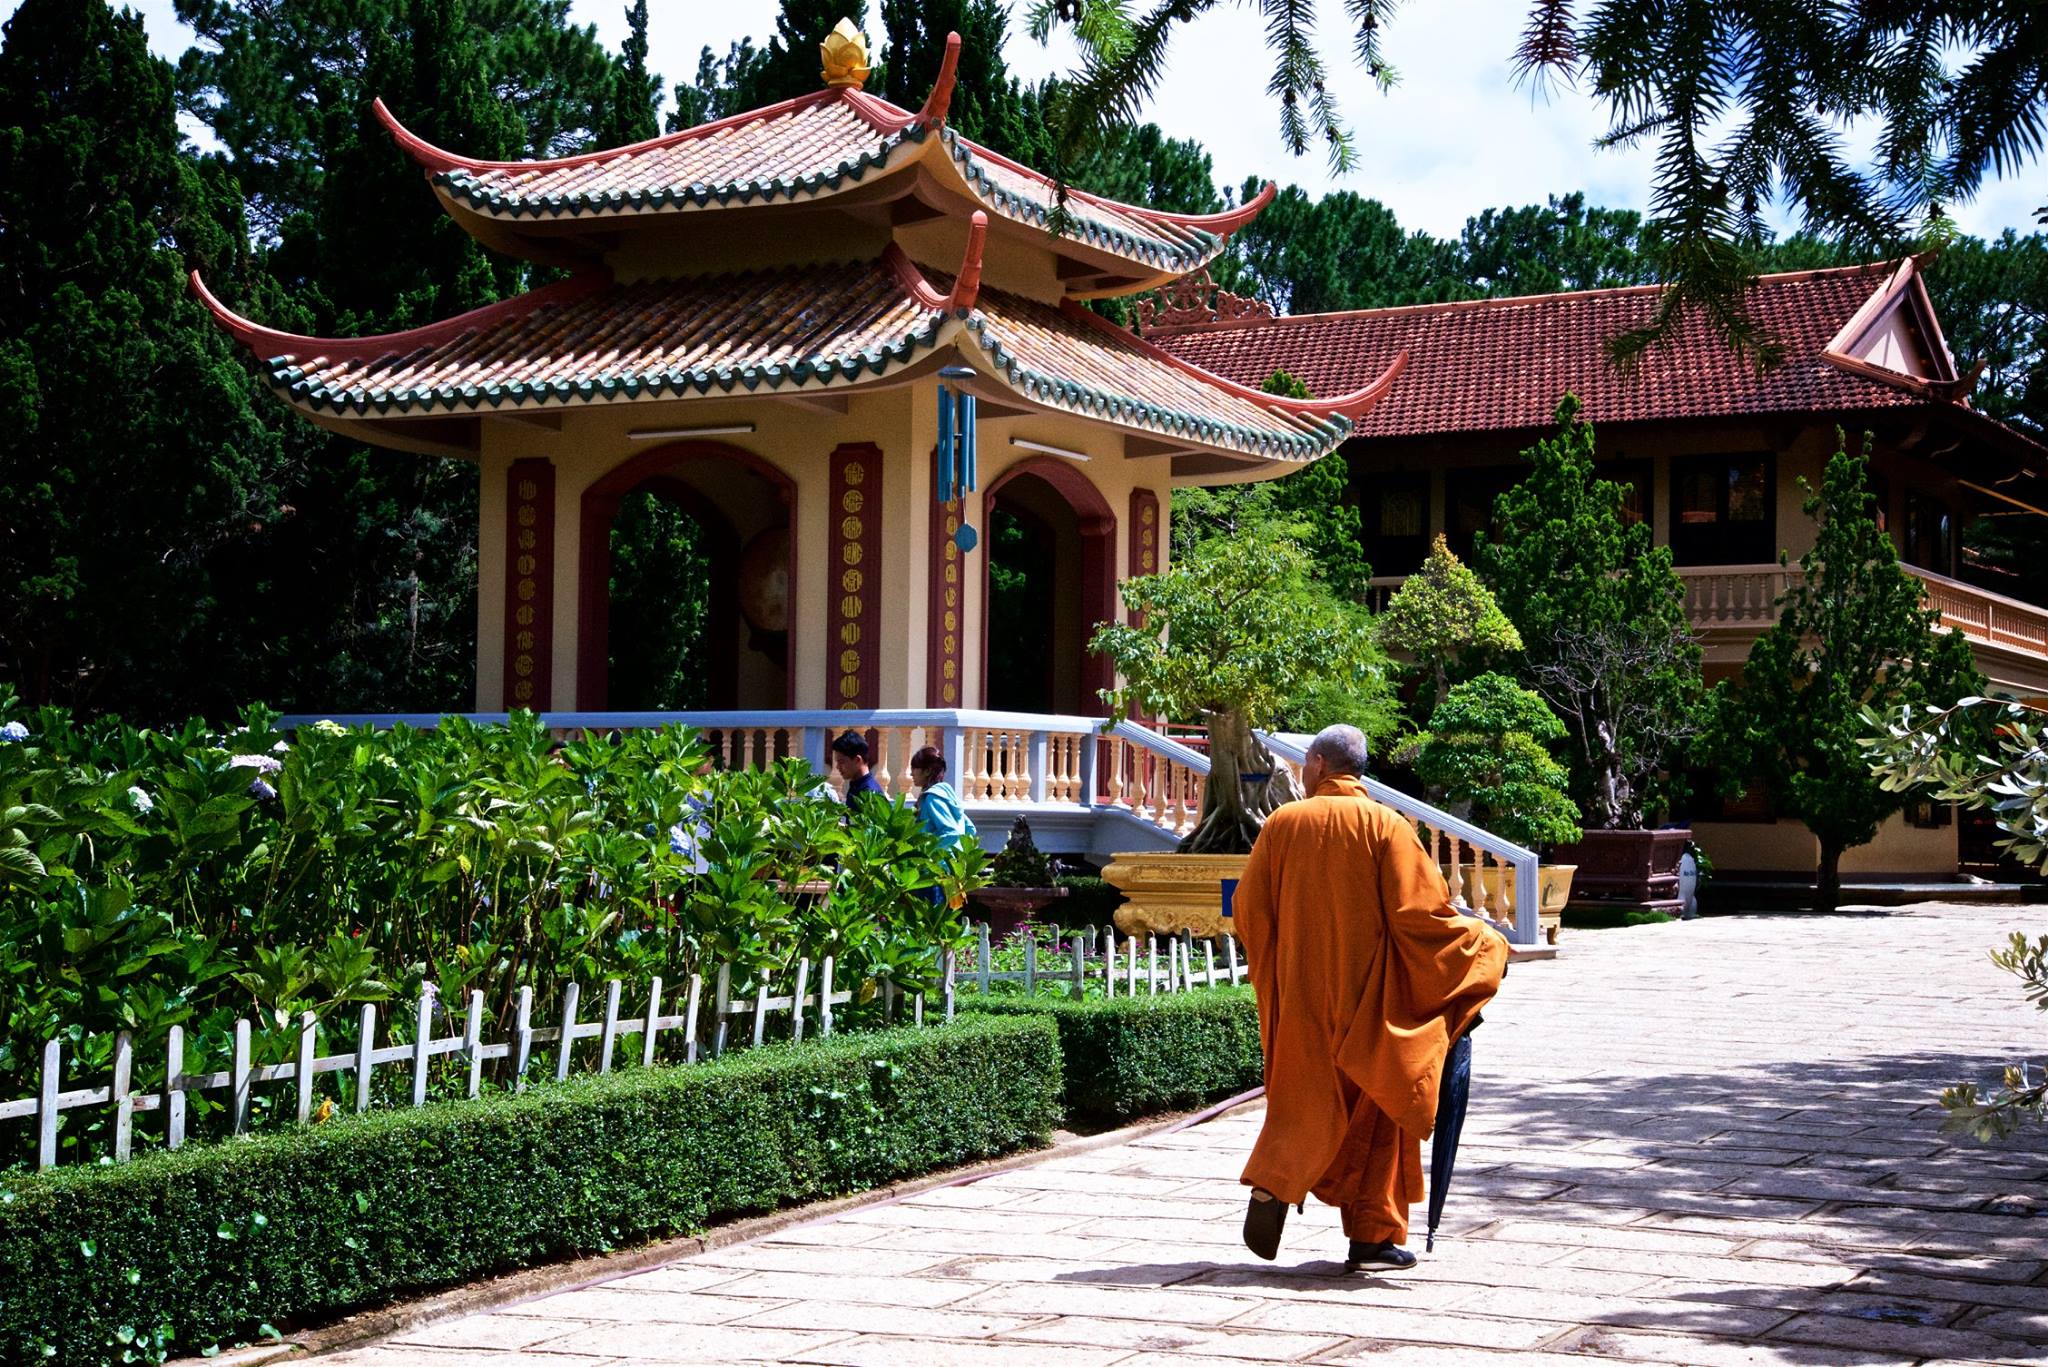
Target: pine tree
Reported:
[(132, 456), (1853, 633), (1602, 618), (632, 106)]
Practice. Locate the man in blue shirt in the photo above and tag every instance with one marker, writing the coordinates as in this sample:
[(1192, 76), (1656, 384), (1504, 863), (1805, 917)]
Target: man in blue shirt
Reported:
[(850, 760)]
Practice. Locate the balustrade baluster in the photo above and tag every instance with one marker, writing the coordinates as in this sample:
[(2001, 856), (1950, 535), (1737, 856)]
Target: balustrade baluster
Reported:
[(1455, 878)]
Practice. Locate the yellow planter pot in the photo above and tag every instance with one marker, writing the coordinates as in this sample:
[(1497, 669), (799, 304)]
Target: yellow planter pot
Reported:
[(1165, 894), (1553, 890)]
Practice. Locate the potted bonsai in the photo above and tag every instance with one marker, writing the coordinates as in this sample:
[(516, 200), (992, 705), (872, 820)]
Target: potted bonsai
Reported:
[(1021, 881), (1607, 643), (1484, 752), (1234, 633)]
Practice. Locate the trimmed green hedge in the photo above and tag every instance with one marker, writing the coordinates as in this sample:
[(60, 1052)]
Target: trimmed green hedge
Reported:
[(1132, 1056), (186, 1249)]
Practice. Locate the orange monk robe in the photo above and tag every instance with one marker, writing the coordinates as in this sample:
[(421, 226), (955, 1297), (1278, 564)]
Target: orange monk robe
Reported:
[(1364, 976)]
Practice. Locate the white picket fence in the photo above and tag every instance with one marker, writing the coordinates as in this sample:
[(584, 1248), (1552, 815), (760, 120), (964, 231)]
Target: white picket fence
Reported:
[(1129, 967), (729, 1018)]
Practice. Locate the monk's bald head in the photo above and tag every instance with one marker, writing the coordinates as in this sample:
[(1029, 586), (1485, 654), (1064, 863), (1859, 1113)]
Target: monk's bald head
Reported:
[(1341, 748)]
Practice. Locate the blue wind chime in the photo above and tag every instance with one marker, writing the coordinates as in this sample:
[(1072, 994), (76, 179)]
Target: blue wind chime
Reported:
[(956, 473)]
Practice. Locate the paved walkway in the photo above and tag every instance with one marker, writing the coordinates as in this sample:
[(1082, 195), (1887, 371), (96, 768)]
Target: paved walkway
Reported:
[(1706, 1144)]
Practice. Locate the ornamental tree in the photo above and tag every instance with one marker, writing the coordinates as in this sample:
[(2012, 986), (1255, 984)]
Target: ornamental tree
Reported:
[(1442, 616), (1853, 634), (1484, 751), (1232, 633), (1601, 613)]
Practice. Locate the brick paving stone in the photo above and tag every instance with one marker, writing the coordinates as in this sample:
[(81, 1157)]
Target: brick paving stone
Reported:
[(1110, 1302), (646, 1341), (487, 1331), (1701, 1316), (609, 1302), (1390, 1322), (1165, 1336), (1909, 1339), (846, 1286), (781, 1257), (1105, 1272), (867, 1318), (879, 1351), (1602, 1343)]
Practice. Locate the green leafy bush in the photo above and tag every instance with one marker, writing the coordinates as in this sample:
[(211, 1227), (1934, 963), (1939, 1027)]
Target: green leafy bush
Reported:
[(159, 878), (179, 1251), (1484, 751), (1132, 1056)]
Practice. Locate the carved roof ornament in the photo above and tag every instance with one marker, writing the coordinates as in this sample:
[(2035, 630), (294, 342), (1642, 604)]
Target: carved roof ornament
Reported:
[(845, 52), (1192, 301)]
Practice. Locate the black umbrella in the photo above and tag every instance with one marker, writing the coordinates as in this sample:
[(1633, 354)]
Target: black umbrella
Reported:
[(1452, 1095)]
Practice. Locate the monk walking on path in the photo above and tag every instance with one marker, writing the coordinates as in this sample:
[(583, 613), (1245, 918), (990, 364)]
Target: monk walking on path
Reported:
[(1365, 975)]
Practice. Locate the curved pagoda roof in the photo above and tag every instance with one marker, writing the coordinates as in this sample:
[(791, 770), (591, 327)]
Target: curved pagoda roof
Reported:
[(797, 330), (839, 143)]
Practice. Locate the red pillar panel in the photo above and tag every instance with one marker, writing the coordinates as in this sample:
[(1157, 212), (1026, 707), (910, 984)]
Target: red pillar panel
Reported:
[(947, 616), (1144, 552), (853, 664), (529, 584)]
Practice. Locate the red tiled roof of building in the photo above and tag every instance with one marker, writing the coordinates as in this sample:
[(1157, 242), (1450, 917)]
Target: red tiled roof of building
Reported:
[(589, 340), (1502, 364)]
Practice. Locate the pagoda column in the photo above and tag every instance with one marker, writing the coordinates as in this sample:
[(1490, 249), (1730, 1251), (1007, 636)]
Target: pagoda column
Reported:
[(528, 603), (945, 682), (854, 587)]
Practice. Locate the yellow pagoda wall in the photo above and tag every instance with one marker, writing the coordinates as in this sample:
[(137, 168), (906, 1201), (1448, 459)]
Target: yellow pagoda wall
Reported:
[(798, 441)]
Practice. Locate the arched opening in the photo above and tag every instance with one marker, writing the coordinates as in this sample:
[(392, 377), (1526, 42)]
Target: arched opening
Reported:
[(687, 563), (1048, 579)]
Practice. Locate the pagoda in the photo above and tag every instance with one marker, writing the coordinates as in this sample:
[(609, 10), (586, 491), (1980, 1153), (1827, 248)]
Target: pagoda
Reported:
[(839, 336)]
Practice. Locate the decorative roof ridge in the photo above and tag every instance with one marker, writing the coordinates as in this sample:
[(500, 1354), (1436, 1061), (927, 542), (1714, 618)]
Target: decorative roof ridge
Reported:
[(1496, 301), (1228, 221), (268, 343), (440, 161), (966, 282), (933, 115), (1351, 406)]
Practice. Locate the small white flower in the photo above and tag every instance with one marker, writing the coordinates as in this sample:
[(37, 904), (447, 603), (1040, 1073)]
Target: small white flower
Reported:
[(140, 801), (263, 764), (329, 728), (280, 749), (14, 730)]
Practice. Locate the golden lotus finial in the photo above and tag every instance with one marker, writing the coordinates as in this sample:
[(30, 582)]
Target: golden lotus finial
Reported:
[(846, 56)]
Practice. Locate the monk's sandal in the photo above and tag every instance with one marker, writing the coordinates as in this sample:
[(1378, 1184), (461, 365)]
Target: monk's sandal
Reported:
[(1265, 1215), (1377, 1255)]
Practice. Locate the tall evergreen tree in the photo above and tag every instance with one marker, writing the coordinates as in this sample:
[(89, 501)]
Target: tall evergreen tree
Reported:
[(1853, 632), (132, 456), (370, 602), (632, 105)]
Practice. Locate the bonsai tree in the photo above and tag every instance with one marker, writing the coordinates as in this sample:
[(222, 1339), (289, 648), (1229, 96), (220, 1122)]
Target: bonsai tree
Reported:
[(1020, 863), (1442, 616), (1232, 633), (1853, 634), (1484, 751), (1602, 618)]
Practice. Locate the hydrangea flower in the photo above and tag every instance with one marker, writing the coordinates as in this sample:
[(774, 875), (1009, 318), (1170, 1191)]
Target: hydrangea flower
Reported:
[(262, 764), (329, 728), (262, 791), (14, 730), (141, 801)]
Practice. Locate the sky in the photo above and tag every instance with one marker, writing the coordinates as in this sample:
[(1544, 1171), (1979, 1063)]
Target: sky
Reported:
[(1454, 137)]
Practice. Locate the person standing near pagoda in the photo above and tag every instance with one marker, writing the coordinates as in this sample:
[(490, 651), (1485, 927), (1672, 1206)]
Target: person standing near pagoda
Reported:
[(1364, 975), (850, 760)]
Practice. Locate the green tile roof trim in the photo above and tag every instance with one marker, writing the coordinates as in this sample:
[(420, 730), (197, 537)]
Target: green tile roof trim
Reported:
[(843, 325)]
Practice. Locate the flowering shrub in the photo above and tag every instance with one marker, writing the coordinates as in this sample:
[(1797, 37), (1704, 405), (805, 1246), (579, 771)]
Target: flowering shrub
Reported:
[(186, 877)]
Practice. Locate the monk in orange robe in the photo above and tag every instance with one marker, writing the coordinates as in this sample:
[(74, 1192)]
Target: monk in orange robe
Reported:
[(1365, 976)]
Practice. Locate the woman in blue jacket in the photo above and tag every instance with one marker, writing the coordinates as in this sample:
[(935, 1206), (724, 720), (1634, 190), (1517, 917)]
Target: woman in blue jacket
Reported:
[(938, 806)]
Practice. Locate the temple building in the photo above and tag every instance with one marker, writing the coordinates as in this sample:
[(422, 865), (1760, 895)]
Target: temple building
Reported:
[(1716, 454), (842, 338)]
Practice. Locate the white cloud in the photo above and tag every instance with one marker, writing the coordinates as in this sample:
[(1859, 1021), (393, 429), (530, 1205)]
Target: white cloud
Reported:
[(1454, 137)]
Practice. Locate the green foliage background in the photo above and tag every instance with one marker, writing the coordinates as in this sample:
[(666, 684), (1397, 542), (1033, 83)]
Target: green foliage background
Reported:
[(175, 540)]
